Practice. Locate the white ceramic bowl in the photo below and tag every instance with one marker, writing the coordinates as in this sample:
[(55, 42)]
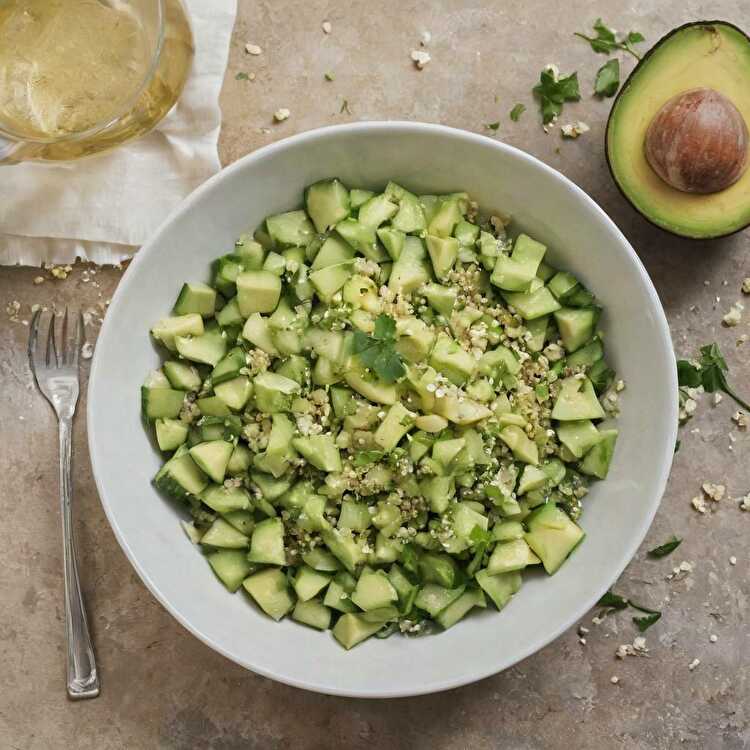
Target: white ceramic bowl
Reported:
[(426, 159)]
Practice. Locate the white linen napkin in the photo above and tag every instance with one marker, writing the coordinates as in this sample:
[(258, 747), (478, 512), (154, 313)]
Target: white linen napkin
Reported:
[(102, 208)]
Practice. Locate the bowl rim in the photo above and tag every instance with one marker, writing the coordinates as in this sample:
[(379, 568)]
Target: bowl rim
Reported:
[(661, 331)]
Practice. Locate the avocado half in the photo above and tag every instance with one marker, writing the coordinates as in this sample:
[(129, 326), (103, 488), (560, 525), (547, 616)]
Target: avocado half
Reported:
[(711, 54)]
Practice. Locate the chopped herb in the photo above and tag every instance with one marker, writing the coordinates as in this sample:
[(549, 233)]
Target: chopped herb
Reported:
[(608, 78), (363, 458), (644, 623), (677, 444), (641, 608), (378, 352), (665, 549), (409, 559), (345, 107), (516, 112), (329, 76), (606, 42), (479, 536), (242, 76), (492, 125), (552, 92), (387, 630), (709, 372), (613, 601)]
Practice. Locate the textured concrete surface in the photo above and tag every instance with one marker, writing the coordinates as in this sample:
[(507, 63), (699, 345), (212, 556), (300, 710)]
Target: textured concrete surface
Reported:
[(164, 689)]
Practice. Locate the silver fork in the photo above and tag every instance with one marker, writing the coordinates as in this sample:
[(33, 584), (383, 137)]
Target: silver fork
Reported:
[(56, 374)]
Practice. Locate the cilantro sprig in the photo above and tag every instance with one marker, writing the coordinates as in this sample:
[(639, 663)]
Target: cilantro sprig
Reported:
[(612, 601), (553, 91), (606, 40), (378, 351), (709, 372), (608, 78)]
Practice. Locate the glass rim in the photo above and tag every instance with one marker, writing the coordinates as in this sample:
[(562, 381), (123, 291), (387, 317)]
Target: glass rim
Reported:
[(127, 106)]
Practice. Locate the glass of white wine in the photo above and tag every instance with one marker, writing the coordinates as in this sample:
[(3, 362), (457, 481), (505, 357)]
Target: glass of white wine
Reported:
[(81, 76)]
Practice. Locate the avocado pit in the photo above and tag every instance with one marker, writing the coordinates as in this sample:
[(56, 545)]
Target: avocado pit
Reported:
[(698, 142)]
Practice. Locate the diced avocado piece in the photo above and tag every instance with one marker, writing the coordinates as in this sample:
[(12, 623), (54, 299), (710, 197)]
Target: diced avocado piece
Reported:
[(344, 547), (167, 329), (231, 567), (319, 559), (562, 285), (532, 478), (274, 392), (196, 298), (432, 423), (327, 281), (333, 252), (453, 361), (362, 238), (161, 402), (327, 202), (531, 305), (371, 387), (576, 325), (170, 433), (415, 339), (446, 451), (443, 253), (257, 291), (393, 241), (338, 593), (320, 450), (438, 491), (466, 519), (581, 297), (466, 233), (507, 531), (358, 197), (376, 211), (446, 217), (587, 355), (213, 457), (213, 406), (257, 332), (352, 628), (522, 447), (290, 229), (410, 217), (442, 299), (270, 487), (313, 613), (242, 520), (461, 411), (270, 591), (275, 264), (433, 599), (295, 368), (578, 436), (498, 361), (250, 252), (308, 582), (537, 328), (180, 477), (509, 556), (354, 516), (410, 271), (435, 567), (577, 400), (500, 588), (398, 421), (220, 428), (267, 543), (227, 267), (208, 348), (182, 376), (279, 451), (235, 393), (224, 535), (458, 609), (373, 590), (514, 273), (225, 499), (552, 535), (361, 292), (596, 462)]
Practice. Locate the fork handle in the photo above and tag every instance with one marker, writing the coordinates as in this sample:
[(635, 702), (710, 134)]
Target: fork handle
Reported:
[(82, 677)]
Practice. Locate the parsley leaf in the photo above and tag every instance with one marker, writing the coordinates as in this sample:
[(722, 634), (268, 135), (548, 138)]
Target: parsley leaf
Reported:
[(613, 601), (410, 559), (677, 444), (516, 112), (644, 623), (363, 458), (377, 351), (710, 372), (665, 549), (492, 125), (242, 76), (607, 78), (552, 92), (605, 40)]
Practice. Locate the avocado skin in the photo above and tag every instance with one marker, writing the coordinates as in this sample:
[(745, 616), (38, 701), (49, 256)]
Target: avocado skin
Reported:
[(642, 62)]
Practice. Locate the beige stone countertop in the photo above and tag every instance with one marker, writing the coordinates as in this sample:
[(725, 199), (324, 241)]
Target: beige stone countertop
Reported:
[(161, 687)]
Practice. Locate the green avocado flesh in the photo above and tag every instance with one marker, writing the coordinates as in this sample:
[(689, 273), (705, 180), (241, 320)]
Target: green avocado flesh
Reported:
[(707, 54), (381, 411)]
